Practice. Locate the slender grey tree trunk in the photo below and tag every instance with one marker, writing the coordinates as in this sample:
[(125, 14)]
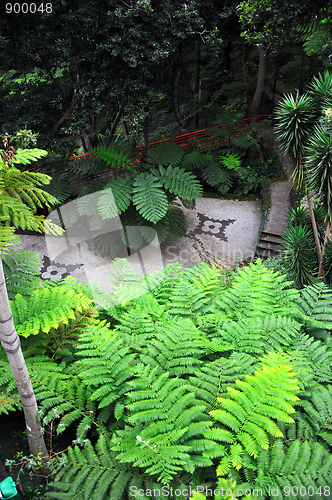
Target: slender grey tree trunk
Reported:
[(11, 344), (321, 273), (197, 76), (314, 227), (254, 106)]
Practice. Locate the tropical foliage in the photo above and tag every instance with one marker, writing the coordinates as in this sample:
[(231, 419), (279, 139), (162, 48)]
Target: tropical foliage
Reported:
[(21, 194), (303, 127), (202, 375)]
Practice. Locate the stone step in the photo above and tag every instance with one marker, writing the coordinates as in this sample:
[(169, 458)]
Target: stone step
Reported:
[(270, 238), (263, 253), (269, 246)]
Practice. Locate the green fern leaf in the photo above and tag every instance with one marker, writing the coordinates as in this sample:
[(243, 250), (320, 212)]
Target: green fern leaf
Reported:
[(251, 410), (150, 200), (22, 271), (166, 153), (181, 183), (116, 199)]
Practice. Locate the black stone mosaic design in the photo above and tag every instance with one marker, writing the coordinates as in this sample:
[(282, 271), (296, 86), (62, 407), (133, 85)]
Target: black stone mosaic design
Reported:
[(51, 269), (212, 227)]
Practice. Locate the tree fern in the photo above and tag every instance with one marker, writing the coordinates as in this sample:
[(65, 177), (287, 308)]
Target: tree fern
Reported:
[(115, 199), (22, 272), (112, 156), (94, 473), (302, 471), (46, 309), (164, 435), (181, 183), (150, 201), (315, 305), (317, 412), (165, 153), (252, 410)]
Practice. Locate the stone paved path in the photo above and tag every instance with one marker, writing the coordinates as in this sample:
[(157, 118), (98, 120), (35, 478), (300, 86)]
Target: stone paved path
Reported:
[(218, 230), (279, 207)]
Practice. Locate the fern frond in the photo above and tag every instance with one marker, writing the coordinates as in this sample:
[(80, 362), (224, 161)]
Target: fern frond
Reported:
[(92, 473), (211, 380), (22, 271), (315, 355), (150, 200), (317, 411), (176, 223), (257, 291), (301, 471), (166, 153), (181, 183), (112, 156), (115, 199), (315, 305), (46, 309), (162, 427), (176, 348), (105, 364), (25, 187), (251, 410), (26, 156)]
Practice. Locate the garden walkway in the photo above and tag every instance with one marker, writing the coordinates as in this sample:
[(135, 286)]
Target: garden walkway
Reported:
[(219, 230), (269, 245)]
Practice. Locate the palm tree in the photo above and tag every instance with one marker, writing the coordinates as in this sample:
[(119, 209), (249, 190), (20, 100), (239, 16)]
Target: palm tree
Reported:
[(318, 163), (296, 117), (298, 132)]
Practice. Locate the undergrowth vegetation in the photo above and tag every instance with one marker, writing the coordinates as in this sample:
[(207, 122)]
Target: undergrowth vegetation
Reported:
[(211, 376)]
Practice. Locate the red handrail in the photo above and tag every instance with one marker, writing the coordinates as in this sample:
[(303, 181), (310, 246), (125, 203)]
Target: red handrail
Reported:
[(184, 139)]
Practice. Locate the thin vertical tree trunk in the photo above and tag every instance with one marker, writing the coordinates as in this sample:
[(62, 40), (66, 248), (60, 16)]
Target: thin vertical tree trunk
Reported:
[(321, 273), (11, 344), (116, 121), (146, 133), (254, 106), (314, 227), (275, 82), (197, 76)]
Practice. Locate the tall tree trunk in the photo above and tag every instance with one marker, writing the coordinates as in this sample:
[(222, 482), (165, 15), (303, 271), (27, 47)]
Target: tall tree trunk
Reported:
[(124, 127), (197, 76), (175, 89), (116, 121), (11, 344), (254, 106), (275, 82), (226, 63), (314, 227), (146, 133), (321, 273)]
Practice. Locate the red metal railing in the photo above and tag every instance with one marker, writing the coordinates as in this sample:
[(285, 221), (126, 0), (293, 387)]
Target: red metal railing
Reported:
[(203, 140)]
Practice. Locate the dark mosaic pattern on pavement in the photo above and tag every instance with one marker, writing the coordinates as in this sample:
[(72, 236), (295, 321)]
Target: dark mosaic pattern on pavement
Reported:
[(213, 227), (53, 269)]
